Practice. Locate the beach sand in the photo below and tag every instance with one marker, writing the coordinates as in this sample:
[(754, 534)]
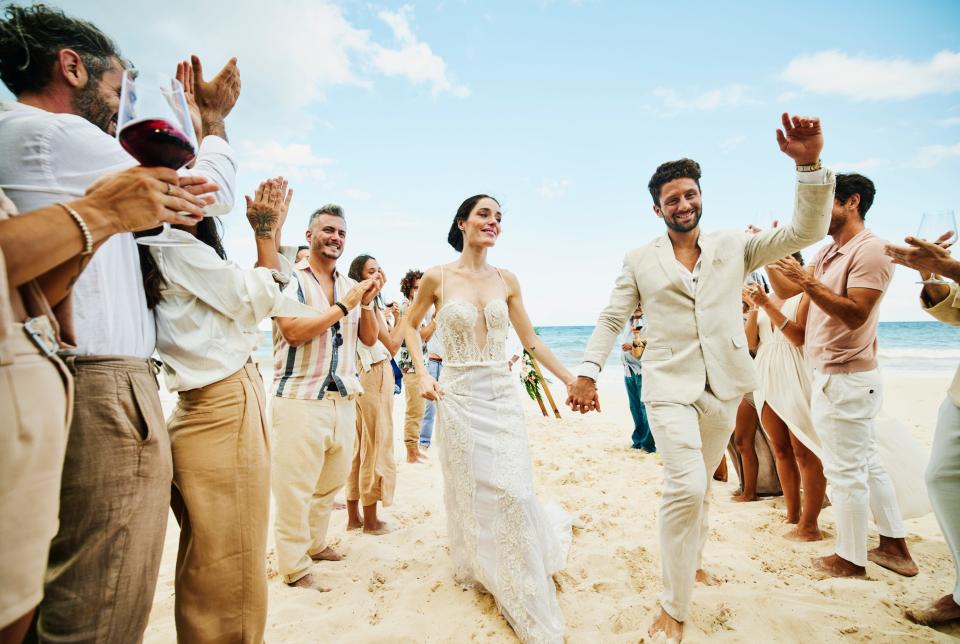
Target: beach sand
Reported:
[(399, 587)]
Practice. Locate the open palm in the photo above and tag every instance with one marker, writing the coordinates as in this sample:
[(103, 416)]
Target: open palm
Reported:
[(801, 138)]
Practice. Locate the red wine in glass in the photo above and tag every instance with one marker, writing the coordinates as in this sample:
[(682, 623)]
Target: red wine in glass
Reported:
[(156, 142)]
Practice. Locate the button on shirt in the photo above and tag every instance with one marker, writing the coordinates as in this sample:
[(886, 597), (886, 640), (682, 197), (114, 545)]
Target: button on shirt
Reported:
[(51, 157), (209, 311), (305, 372), (831, 346)]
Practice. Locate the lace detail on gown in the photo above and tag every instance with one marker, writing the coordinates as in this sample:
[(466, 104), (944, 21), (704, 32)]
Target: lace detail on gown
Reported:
[(500, 535)]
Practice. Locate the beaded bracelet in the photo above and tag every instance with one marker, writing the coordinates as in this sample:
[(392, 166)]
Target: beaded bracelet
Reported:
[(84, 229)]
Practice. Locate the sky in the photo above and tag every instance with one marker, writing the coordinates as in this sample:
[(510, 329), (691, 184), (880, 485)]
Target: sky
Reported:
[(562, 110)]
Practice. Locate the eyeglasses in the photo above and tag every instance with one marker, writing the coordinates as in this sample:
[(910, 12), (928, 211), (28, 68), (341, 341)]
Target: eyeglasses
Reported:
[(338, 337)]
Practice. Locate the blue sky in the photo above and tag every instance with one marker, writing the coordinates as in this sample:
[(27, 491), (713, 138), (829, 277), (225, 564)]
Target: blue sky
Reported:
[(562, 110)]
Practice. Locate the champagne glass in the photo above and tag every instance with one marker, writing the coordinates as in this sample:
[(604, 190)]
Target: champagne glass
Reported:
[(154, 127), (933, 226)]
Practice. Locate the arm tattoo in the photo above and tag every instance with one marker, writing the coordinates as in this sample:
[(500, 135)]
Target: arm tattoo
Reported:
[(263, 220)]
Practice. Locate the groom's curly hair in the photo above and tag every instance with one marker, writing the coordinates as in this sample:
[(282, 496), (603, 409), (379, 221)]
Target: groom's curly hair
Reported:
[(667, 172)]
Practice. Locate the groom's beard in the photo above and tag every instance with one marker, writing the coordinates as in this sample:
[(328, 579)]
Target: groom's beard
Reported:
[(685, 227)]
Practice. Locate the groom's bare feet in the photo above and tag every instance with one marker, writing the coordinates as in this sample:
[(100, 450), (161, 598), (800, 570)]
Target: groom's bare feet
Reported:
[(942, 612), (707, 579), (837, 566), (327, 554), (309, 581), (893, 554), (667, 626), (740, 497), (803, 534)]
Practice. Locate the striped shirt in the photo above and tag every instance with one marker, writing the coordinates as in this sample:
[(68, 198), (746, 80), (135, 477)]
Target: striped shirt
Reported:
[(308, 371)]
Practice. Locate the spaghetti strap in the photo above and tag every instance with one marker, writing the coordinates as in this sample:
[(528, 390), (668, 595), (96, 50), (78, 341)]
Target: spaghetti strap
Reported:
[(506, 291), (441, 284)]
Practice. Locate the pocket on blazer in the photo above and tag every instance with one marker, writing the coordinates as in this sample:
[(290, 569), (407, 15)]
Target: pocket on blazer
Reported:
[(739, 340), (656, 354)]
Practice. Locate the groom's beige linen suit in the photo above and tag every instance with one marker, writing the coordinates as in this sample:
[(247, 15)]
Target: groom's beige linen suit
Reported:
[(696, 366)]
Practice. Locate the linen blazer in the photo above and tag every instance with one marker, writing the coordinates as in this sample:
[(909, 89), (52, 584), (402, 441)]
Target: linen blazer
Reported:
[(948, 312), (698, 340)]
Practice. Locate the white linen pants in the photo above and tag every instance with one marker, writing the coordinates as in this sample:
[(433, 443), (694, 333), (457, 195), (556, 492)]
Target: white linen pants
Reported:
[(844, 407), (690, 440), (312, 445), (943, 481)]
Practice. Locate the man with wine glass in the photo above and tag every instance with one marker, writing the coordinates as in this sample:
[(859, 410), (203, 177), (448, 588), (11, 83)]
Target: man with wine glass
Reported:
[(58, 138), (941, 299), (845, 282)]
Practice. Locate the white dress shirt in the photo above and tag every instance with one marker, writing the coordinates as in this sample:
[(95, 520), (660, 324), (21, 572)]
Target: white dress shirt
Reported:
[(50, 157), (209, 312)]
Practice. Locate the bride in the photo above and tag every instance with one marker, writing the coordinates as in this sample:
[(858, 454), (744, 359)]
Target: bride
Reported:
[(501, 537)]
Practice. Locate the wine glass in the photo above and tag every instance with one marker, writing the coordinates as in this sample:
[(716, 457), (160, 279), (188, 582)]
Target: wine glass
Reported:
[(154, 127), (934, 225)]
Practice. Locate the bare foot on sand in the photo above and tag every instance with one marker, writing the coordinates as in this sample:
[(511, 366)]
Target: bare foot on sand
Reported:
[(897, 562), (414, 455), (803, 534), (309, 582), (353, 524), (942, 612), (382, 527), (707, 579), (742, 498), (837, 566), (327, 554), (666, 627)]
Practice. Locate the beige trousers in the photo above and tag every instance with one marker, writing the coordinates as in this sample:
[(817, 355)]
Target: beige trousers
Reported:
[(415, 404), (221, 498), (312, 446), (35, 403), (373, 471), (690, 440)]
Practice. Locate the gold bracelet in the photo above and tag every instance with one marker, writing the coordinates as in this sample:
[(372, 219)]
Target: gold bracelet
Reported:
[(810, 167), (84, 229)]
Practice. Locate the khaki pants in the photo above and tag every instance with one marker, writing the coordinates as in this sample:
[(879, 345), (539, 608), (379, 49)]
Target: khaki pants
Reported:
[(414, 412), (114, 502), (373, 471), (312, 445), (35, 404), (690, 440), (221, 498)]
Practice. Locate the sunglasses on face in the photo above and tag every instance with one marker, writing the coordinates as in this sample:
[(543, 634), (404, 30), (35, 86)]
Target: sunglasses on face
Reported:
[(337, 337)]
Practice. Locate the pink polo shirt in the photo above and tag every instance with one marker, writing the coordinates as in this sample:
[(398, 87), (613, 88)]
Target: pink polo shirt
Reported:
[(860, 263)]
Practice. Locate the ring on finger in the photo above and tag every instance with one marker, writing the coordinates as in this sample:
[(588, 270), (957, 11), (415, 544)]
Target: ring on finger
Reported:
[(169, 189)]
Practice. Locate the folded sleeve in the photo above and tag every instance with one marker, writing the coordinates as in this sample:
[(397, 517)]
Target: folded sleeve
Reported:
[(948, 309)]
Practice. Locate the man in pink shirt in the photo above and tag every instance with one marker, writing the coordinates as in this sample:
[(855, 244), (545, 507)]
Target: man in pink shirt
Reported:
[(845, 283)]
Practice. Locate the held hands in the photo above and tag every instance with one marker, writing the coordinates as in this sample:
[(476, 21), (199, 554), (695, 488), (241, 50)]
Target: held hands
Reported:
[(430, 388), (216, 97), (801, 138), (264, 210), (582, 395), (929, 258), (142, 198)]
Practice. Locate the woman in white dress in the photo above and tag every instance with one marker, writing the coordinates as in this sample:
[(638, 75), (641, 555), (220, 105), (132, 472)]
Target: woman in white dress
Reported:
[(501, 537), (784, 403)]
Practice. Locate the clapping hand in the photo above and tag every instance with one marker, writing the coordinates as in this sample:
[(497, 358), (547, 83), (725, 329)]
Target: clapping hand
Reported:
[(801, 138), (755, 296), (357, 292), (263, 210), (792, 270), (755, 230), (930, 258), (376, 283), (216, 97), (184, 74)]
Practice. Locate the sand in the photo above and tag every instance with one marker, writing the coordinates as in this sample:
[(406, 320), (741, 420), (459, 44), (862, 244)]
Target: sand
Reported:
[(399, 587)]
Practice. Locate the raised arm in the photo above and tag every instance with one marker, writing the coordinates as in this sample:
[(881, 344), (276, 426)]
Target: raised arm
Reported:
[(426, 297), (534, 345), (801, 139)]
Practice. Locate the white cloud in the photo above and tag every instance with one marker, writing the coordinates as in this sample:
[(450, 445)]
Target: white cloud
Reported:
[(356, 194), (857, 166), (930, 156), (949, 122), (733, 142), (733, 95), (553, 188), (864, 78), (786, 97), (414, 59), (295, 161)]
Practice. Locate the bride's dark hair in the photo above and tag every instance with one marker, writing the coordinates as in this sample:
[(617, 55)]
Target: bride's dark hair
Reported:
[(455, 236)]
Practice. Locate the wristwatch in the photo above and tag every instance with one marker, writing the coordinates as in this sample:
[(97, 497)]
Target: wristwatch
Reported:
[(810, 167)]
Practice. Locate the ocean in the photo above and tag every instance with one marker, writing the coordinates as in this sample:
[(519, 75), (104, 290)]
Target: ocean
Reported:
[(915, 347)]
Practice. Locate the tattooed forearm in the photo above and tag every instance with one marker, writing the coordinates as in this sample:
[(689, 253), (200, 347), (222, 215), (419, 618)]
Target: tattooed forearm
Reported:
[(263, 221)]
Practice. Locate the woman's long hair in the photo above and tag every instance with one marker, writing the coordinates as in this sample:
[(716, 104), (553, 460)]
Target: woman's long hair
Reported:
[(208, 231), (357, 265)]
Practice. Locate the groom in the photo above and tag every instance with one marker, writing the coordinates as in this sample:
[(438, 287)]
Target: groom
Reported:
[(696, 365)]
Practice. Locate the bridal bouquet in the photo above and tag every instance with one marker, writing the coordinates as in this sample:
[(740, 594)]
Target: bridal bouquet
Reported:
[(532, 381)]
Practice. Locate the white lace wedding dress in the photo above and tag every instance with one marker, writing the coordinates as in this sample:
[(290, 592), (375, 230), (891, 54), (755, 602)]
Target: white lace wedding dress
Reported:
[(501, 537)]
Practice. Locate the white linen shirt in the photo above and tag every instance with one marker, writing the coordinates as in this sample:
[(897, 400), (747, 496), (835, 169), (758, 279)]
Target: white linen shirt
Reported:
[(209, 312), (50, 157)]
